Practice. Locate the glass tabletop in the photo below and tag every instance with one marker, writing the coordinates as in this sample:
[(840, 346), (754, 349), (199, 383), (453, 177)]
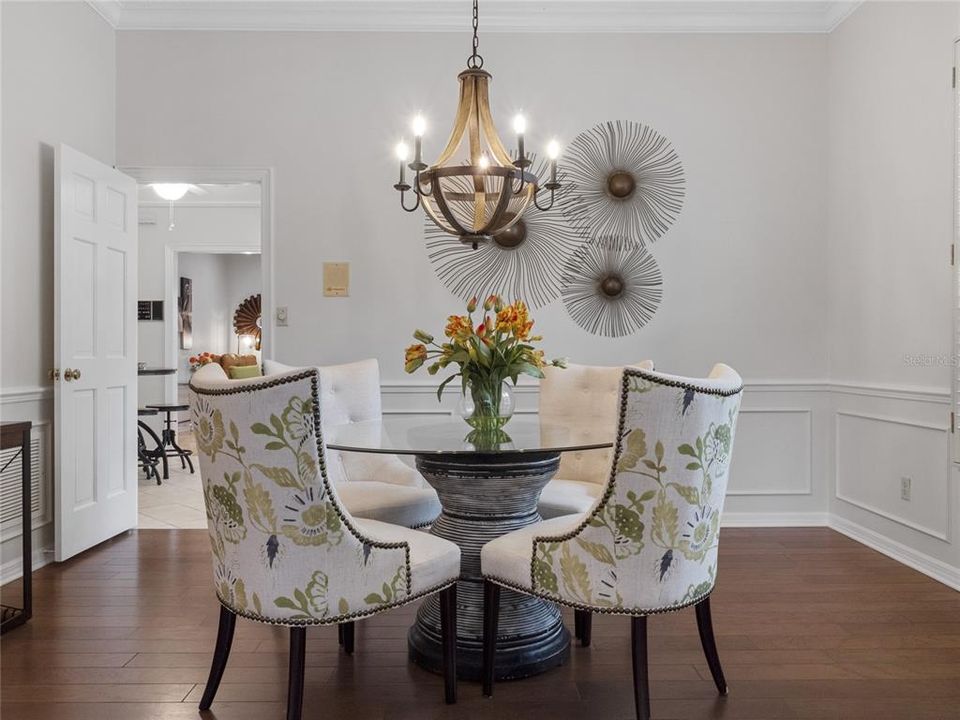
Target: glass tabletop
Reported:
[(445, 435)]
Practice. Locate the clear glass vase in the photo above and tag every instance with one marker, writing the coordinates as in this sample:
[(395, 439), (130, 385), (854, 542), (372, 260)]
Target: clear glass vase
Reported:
[(487, 407)]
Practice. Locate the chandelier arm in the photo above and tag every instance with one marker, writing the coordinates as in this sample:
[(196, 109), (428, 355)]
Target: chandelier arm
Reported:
[(415, 205), (418, 187), (537, 205)]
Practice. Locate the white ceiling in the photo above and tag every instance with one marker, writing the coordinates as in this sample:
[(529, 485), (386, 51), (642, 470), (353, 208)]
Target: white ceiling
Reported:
[(639, 16)]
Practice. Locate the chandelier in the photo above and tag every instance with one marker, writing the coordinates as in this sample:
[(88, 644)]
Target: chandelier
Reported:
[(475, 190)]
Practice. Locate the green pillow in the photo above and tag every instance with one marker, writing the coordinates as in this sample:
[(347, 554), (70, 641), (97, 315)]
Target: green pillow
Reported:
[(242, 372)]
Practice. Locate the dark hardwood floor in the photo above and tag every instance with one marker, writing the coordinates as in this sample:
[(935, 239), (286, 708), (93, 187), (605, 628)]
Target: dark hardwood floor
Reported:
[(809, 625)]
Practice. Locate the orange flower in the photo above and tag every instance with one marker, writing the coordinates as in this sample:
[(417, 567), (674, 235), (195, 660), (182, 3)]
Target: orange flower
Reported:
[(472, 304), (458, 326), (489, 303), (414, 357)]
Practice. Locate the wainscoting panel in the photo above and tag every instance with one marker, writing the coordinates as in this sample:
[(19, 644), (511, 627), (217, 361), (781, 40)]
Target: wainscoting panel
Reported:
[(874, 453), (773, 453)]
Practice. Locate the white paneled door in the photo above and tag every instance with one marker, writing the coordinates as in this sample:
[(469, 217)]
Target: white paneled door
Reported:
[(95, 351)]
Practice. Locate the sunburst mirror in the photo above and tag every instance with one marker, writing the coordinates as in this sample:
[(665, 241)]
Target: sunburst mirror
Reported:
[(247, 319)]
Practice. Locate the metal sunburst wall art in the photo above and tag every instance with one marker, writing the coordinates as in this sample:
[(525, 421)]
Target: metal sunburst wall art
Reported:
[(611, 286), (247, 320), (526, 261), (625, 180)]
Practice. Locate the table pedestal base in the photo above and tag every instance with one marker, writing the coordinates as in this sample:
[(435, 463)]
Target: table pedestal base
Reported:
[(484, 497)]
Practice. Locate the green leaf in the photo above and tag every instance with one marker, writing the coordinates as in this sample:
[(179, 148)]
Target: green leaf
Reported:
[(648, 495), (277, 425), (279, 475), (374, 599), (597, 550), (442, 386), (651, 464), (658, 451), (343, 607), (687, 449), (544, 577), (275, 445), (256, 604), (690, 494), (531, 370), (285, 602), (694, 466), (261, 429), (665, 519), (300, 598), (576, 578), (635, 448)]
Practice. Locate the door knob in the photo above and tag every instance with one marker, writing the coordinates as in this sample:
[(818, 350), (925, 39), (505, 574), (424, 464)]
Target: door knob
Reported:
[(54, 374), (69, 374)]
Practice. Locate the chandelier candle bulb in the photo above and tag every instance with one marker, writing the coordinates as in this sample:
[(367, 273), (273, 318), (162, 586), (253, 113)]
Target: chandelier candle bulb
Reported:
[(520, 127), (402, 150), (419, 126)]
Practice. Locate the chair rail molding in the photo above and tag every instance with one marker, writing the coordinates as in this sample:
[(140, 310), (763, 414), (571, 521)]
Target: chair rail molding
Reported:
[(526, 16)]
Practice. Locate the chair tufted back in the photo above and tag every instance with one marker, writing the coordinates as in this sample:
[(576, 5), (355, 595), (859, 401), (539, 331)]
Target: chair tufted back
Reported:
[(285, 550), (351, 393), (583, 396), (650, 543)]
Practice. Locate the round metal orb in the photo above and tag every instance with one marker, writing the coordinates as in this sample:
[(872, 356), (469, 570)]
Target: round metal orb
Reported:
[(611, 286), (513, 235), (621, 184)]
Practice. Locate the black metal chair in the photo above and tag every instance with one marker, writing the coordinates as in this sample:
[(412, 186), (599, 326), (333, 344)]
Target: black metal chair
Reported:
[(150, 457), (168, 441)]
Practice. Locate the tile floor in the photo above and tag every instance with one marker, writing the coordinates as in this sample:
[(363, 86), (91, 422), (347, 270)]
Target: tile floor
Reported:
[(177, 502)]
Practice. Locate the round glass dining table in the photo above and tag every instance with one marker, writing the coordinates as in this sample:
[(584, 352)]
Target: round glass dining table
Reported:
[(488, 485)]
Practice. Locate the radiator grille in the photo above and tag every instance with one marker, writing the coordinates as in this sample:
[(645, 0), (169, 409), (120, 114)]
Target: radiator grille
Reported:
[(10, 486)]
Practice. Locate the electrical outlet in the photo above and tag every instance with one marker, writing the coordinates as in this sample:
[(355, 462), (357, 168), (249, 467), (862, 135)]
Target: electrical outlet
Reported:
[(905, 484), (282, 316)]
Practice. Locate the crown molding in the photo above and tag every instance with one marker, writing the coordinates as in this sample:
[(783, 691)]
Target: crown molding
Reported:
[(525, 16)]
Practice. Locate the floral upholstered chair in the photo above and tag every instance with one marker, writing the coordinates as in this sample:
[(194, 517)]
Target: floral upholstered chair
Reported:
[(375, 486), (579, 396), (649, 545), (285, 550)]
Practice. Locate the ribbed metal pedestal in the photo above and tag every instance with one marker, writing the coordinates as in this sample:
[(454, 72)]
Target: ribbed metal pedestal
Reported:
[(484, 497)]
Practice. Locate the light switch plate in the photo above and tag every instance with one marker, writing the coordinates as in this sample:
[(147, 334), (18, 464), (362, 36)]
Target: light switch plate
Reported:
[(282, 316), (336, 279)]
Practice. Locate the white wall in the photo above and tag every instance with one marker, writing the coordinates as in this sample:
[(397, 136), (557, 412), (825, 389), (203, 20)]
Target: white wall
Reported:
[(198, 228), (743, 275), (58, 84), (891, 162)]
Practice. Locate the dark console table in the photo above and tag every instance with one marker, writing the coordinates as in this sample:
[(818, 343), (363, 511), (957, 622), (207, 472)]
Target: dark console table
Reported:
[(17, 435)]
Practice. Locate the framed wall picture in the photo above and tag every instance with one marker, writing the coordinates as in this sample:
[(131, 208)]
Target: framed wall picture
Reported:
[(185, 322)]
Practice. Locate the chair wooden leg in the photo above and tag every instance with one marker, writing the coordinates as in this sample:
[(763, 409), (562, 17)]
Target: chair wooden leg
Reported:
[(228, 622), (705, 626), (448, 631), (577, 624), (340, 634), (641, 680), (346, 637), (298, 648), (491, 615), (584, 623)]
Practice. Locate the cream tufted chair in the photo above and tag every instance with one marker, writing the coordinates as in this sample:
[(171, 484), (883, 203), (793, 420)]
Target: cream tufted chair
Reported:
[(285, 550), (649, 544), (375, 486), (579, 396)]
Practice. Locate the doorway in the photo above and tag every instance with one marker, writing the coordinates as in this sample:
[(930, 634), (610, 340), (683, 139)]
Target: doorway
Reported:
[(204, 291)]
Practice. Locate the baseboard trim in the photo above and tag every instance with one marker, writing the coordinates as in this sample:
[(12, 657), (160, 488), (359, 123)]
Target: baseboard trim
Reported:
[(776, 519), (13, 569), (921, 562)]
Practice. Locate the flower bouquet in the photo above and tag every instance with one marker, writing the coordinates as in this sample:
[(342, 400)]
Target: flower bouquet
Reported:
[(487, 352), (204, 358)]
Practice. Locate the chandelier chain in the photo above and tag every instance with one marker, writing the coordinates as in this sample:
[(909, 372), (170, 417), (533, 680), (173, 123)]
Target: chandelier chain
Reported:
[(475, 61)]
